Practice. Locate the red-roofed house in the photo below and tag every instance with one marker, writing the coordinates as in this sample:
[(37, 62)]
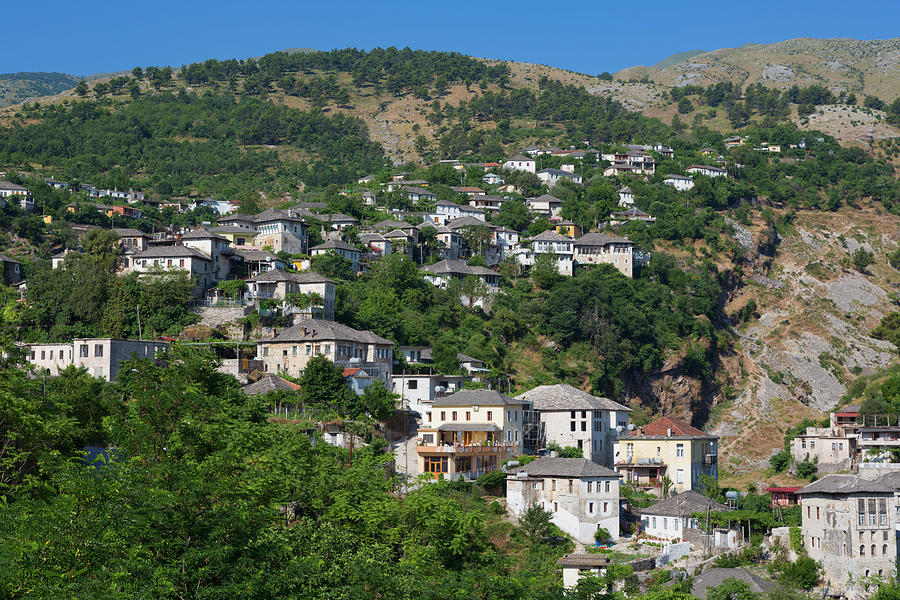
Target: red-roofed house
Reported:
[(357, 379), (666, 448), (784, 495)]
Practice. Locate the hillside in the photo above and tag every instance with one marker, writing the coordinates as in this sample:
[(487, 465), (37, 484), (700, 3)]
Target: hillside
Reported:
[(20, 87), (863, 67)]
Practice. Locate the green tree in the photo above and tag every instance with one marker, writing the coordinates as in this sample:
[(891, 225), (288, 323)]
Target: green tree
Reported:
[(379, 401), (536, 523), (893, 258), (889, 329), (780, 461), (322, 385), (731, 589), (544, 271), (332, 264), (81, 89), (804, 573), (862, 258)]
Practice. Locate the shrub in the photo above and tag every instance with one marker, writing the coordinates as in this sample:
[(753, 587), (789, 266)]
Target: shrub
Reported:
[(780, 461), (796, 539)]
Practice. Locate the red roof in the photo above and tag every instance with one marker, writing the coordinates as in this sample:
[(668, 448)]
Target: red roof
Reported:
[(661, 427), (784, 489), (846, 414), (491, 164), (354, 371)]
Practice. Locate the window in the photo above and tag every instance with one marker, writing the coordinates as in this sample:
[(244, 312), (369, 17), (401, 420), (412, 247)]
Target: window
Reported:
[(862, 549), (572, 415), (453, 415), (658, 452), (590, 484), (443, 415), (413, 384), (605, 507), (570, 486), (294, 350), (874, 550), (468, 416), (679, 450), (51, 355), (572, 425), (665, 523), (591, 507), (98, 349), (817, 513), (555, 507), (679, 476), (606, 487), (43, 354), (308, 349), (490, 415), (436, 464), (552, 485), (677, 524), (265, 350), (812, 443), (584, 425), (653, 521)]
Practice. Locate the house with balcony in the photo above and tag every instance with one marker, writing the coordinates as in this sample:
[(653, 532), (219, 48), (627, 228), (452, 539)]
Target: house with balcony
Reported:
[(290, 349), (442, 272), (580, 495), (278, 285), (132, 240), (831, 449), (259, 261), (545, 205), (471, 433), (216, 247), (378, 246), (237, 236), (669, 448), (489, 203), (158, 259), (571, 417)]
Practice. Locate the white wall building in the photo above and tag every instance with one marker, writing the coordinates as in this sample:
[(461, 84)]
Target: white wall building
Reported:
[(102, 357), (581, 495), (520, 163), (682, 183)]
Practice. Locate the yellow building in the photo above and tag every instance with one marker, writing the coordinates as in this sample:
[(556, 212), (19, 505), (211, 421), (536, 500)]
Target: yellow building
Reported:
[(470, 433), (666, 448), (236, 236), (568, 229)]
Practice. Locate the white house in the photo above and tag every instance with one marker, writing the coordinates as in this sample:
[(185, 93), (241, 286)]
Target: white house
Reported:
[(492, 179), (545, 204), (346, 250), (550, 242), (682, 183), (581, 495), (571, 417), (597, 248), (518, 162), (706, 170), (102, 357), (168, 258), (552, 176), (626, 196), (417, 391), (279, 230), (668, 519)]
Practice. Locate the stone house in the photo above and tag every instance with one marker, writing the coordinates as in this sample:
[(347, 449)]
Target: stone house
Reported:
[(102, 357), (581, 495), (671, 518)]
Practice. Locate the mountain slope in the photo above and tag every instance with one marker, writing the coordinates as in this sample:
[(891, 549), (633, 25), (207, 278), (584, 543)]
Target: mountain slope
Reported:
[(867, 67), (19, 87)]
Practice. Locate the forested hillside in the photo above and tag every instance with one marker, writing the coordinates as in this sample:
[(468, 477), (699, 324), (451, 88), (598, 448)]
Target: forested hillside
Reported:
[(21, 87)]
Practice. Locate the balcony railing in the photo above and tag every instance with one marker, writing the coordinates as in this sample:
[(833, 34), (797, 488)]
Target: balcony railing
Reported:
[(466, 449)]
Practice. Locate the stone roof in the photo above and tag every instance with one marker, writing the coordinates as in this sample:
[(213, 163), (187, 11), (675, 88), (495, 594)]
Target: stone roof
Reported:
[(7, 259), (341, 217), (469, 222), (232, 229), (171, 252), (410, 189), (519, 157), (128, 232), (566, 467), (544, 198), (626, 190), (269, 383), (891, 480), (599, 239), (846, 484), (662, 427), (391, 224), (559, 173), (368, 238), (563, 396), (458, 267), (6, 185), (309, 330), (583, 560), (238, 217), (336, 245), (256, 255), (397, 234), (475, 398), (551, 236), (301, 277), (272, 214), (683, 505), (717, 576), (202, 234)]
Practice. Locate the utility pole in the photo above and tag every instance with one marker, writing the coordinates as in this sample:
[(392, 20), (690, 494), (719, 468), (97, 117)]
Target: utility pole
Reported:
[(140, 332)]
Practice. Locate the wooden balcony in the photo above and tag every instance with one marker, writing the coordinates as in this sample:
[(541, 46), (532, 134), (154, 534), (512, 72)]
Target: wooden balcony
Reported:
[(467, 450)]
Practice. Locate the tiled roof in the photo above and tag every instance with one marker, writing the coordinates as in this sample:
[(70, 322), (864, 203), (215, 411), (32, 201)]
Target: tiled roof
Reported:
[(272, 214), (202, 234), (550, 236), (566, 467), (717, 576), (660, 428), (683, 505), (563, 396), (457, 267), (599, 239), (301, 277), (256, 255), (845, 484), (269, 383), (318, 330), (475, 398), (126, 232)]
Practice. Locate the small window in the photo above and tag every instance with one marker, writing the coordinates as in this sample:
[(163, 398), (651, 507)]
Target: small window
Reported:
[(443, 415), (490, 415), (606, 487), (591, 507), (468, 416), (454, 415), (413, 384), (98, 349)]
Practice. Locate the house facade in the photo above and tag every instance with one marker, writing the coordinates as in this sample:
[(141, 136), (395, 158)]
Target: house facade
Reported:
[(573, 418), (277, 284), (518, 162), (670, 518), (471, 433), (280, 231), (597, 248), (681, 183), (848, 524), (553, 176), (581, 495), (706, 170), (545, 204), (666, 448), (342, 248), (102, 357), (290, 350), (417, 391), (168, 258)]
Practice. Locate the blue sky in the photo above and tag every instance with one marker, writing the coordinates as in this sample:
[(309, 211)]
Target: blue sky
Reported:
[(92, 36)]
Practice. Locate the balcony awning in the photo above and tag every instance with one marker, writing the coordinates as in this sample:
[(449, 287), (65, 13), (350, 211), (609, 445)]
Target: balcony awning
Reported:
[(468, 427)]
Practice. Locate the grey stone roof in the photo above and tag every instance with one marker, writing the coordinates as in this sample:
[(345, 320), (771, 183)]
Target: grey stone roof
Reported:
[(368, 238), (269, 383), (232, 229), (5, 185), (395, 234), (717, 576), (566, 467), (238, 217), (845, 484), (127, 232), (469, 222), (626, 190), (171, 252), (302, 277), (519, 157), (272, 214), (559, 173), (551, 236), (563, 396), (342, 218), (891, 480), (411, 189), (336, 245), (583, 560), (309, 330), (202, 234), (683, 505), (599, 239), (391, 224), (256, 255), (7, 259), (544, 198), (475, 398), (458, 267)]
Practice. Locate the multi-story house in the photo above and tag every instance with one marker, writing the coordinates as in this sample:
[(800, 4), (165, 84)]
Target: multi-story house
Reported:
[(518, 162), (280, 231), (706, 170), (17, 193), (378, 246), (545, 204), (216, 247), (167, 258), (681, 183), (490, 204), (443, 272), (581, 495), (597, 248), (830, 448), (348, 251), (571, 417), (471, 432), (551, 242), (506, 240), (626, 196), (132, 240), (553, 176), (102, 357), (258, 261), (236, 235), (277, 285), (238, 220), (848, 524), (291, 349), (12, 270), (417, 391), (666, 448)]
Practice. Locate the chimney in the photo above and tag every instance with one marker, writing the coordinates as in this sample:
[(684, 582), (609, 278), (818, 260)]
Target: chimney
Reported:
[(669, 432)]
